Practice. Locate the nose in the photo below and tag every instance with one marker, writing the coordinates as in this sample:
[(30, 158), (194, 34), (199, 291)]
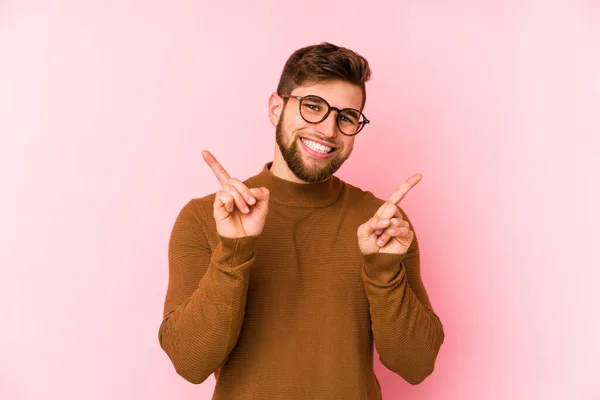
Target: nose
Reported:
[(328, 127)]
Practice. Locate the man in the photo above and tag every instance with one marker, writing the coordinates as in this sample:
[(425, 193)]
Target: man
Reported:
[(282, 284)]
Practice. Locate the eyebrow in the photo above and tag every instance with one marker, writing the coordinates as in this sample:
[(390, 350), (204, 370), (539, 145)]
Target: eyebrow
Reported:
[(355, 113), (348, 109), (314, 97)]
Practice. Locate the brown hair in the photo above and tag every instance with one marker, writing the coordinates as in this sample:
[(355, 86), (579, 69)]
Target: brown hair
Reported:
[(321, 63)]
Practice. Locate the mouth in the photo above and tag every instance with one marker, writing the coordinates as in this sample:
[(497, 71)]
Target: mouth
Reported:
[(319, 148)]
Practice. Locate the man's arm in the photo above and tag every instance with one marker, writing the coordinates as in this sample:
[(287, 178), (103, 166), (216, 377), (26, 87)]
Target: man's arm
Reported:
[(406, 331), (206, 296)]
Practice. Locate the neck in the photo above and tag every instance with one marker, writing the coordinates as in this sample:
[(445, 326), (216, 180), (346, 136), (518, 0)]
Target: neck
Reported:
[(291, 193)]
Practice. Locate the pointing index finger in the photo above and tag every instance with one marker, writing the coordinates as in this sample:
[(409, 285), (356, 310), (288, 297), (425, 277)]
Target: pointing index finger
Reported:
[(403, 189), (217, 168)]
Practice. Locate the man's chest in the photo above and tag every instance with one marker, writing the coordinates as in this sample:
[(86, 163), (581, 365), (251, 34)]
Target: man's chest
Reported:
[(310, 258)]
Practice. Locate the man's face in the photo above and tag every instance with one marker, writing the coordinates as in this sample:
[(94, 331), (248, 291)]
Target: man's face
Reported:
[(296, 138)]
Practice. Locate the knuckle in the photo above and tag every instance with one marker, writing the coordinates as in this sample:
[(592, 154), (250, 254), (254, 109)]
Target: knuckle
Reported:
[(389, 209), (237, 183), (233, 191)]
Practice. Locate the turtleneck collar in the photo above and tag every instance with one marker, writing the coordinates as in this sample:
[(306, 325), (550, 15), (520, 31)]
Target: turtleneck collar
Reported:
[(297, 194)]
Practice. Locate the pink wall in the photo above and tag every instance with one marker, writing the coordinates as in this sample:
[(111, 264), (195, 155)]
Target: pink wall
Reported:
[(105, 107)]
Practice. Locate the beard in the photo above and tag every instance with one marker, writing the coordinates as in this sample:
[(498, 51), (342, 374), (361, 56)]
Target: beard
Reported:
[(293, 157)]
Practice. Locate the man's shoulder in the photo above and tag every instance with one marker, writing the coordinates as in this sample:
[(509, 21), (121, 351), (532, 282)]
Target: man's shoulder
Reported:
[(361, 199), (198, 208)]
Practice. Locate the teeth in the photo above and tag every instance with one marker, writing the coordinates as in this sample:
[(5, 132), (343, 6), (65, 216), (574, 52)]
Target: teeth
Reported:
[(316, 146)]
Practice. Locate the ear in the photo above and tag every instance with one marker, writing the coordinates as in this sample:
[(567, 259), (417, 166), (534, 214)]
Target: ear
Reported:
[(275, 108)]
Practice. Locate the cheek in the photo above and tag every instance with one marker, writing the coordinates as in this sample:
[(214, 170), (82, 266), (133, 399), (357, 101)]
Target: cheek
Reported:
[(348, 145), (293, 125)]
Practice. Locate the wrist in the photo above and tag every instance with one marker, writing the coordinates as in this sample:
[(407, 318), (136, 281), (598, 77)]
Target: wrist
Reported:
[(383, 267), (235, 251)]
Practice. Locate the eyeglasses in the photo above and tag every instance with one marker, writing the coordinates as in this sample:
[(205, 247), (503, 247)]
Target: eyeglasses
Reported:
[(314, 109)]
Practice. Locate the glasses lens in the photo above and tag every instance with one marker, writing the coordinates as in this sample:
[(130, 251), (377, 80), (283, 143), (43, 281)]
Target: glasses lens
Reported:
[(350, 121), (313, 108)]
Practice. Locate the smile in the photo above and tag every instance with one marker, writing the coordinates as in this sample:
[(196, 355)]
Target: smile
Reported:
[(317, 147)]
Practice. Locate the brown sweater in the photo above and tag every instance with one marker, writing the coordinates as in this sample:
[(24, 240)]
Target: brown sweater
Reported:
[(294, 313)]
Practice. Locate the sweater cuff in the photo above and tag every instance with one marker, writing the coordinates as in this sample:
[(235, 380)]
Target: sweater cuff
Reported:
[(383, 268), (232, 252)]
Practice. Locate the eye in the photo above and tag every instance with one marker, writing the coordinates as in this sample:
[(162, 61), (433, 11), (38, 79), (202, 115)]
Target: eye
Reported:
[(350, 117), (315, 104)]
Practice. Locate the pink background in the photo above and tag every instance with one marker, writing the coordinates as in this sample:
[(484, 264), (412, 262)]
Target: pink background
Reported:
[(106, 105)]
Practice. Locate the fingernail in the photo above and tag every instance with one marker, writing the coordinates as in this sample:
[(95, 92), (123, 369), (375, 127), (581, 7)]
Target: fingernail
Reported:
[(251, 200)]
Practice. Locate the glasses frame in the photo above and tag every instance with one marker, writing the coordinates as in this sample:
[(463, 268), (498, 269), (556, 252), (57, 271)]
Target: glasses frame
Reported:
[(329, 108)]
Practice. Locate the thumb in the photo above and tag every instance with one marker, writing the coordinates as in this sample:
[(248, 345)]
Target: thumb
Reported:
[(261, 194), (262, 199), (366, 230)]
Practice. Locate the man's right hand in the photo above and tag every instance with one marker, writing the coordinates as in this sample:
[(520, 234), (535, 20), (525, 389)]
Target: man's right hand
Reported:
[(238, 210)]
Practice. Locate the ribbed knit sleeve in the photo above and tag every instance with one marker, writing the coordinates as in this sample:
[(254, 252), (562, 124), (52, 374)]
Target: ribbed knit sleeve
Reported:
[(206, 295), (406, 331)]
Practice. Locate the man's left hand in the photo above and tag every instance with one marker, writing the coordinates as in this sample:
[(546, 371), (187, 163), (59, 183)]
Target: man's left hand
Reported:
[(387, 231)]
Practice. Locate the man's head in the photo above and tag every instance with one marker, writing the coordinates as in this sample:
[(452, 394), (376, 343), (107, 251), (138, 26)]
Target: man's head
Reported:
[(336, 75)]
